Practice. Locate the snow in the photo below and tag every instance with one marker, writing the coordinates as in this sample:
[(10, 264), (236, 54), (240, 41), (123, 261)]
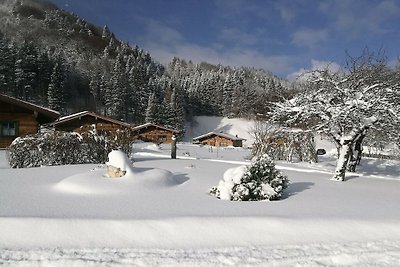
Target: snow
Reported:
[(232, 176), (73, 115), (120, 160), (162, 214), (206, 124)]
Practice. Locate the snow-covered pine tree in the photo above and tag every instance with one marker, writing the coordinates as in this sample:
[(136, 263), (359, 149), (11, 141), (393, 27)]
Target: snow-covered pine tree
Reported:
[(259, 181), (106, 34), (116, 92), (25, 70), (227, 94), (7, 55), (94, 85), (238, 93), (44, 67), (55, 92), (177, 110), (151, 110)]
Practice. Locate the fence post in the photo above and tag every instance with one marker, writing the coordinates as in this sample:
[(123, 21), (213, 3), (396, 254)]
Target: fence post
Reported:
[(173, 147)]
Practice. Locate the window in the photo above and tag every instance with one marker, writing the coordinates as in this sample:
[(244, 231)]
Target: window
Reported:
[(8, 128), (162, 138)]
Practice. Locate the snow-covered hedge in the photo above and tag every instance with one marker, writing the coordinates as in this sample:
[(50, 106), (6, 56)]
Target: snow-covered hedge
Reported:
[(259, 181), (61, 148)]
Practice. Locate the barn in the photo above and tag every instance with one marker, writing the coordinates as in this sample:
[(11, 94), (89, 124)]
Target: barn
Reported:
[(86, 120), (150, 132), (219, 139), (20, 118)]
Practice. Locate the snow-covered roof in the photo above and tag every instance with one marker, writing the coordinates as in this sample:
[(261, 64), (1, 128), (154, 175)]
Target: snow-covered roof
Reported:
[(74, 115), (142, 126), (89, 113), (225, 135), (39, 109)]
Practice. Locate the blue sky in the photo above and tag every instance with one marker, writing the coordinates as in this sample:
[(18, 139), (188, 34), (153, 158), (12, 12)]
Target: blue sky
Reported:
[(285, 37)]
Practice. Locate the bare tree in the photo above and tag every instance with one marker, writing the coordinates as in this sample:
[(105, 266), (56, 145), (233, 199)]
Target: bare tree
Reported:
[(283, 143)]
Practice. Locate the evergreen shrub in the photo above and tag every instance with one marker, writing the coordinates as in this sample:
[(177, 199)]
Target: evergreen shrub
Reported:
[(259, 181)]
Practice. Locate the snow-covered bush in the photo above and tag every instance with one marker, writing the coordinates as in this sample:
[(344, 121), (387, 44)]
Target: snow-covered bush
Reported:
[(259, 181), (61, 148)]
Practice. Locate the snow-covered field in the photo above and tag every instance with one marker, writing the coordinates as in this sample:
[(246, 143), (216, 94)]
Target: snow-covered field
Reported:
[(161, 214)]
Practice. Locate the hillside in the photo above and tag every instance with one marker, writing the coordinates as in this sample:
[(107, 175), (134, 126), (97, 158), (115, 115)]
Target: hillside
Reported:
[(56, 59), (44, 48)]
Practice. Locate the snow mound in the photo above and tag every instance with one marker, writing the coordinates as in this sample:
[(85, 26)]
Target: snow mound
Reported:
[(146, 147), (96, 183), (152, 147), (158, 178), (120, 160)]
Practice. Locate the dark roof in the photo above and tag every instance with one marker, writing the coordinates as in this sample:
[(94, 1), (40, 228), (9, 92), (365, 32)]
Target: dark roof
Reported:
[(91, 114), (44, 114), (143, 126), (225, 135)]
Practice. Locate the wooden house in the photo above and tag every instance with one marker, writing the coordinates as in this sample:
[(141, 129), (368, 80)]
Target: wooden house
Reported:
[(86, 120), (219, 139), (150, 132), (19, 118)]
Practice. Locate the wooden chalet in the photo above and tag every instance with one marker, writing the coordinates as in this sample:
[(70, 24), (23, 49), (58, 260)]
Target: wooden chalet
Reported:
[(219, 139), (150, 132), (86, 120), (20, 118)]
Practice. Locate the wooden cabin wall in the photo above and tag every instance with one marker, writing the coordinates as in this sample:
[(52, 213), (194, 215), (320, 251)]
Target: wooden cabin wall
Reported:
[(156, 135), (27, 124), (218, 141), (84, 124)]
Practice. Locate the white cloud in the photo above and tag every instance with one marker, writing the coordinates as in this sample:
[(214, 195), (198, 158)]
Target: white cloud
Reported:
[(164, 43), (302, 74), (237, 37), (309, 37), (354, 19), (286, 11), (230, 57), (160, 33)]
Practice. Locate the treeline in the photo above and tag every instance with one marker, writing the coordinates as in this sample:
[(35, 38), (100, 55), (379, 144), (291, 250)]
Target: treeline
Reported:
[(56, 59)]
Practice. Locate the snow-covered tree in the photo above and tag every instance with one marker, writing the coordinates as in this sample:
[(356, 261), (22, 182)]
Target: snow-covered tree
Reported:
[(346, 105), (259, 181), (7, 55), (177, 110), (94, 86), (227, 93), (106, 34), (25, 70), (151, 110), (55, 91), (116, 92), (283, 143)]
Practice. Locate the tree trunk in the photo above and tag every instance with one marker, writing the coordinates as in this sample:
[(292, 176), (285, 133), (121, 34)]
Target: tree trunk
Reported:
[(344, 154), (355, 153)]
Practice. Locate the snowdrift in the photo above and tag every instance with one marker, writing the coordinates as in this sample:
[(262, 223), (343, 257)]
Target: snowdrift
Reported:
[(97, 183)]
